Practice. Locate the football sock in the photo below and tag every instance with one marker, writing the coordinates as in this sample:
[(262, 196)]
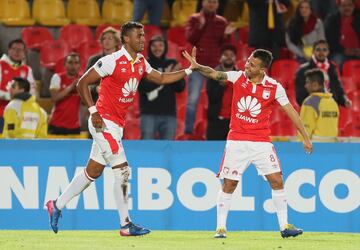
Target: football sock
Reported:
[(78, 184), (223, 206), (121, 194), (280, 202)]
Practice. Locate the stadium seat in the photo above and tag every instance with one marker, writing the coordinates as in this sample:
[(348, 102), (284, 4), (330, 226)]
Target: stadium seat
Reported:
[(75, 34), (50, 12), (355, 98), (284, 71), (173, 50), (177, 35), (15, 13), (150, 31), (35, 36), (181, 10), (52, 51), (349, 84), (283, 128), (84, 12), (112, 8), (345, 117), (351, 68), (101, 27), (88, 49), (243, 51), (352, 128), (240, 65)]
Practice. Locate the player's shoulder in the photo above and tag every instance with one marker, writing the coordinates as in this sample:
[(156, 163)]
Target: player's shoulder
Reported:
[(271, 81)]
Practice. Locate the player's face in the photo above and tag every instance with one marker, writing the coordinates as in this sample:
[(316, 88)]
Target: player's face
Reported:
[(228, 58), (253, 67), (72, 65), (137, 40), (17, 52), (108, 41), (321, 52), (157, 48)]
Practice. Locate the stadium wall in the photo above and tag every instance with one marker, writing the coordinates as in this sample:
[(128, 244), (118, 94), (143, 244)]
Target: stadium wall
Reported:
[(173, 187)]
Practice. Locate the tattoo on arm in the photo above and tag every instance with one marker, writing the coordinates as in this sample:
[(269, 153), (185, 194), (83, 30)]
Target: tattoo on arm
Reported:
[(209, 72), (220, 76)]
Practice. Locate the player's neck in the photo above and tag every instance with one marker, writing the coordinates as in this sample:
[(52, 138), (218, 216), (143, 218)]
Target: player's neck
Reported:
[(257, 79), (132, 53)]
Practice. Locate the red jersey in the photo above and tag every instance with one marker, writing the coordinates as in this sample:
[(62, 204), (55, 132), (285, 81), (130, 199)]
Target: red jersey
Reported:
[(66, 112), (252, 105), (7, 73), (120, 79)]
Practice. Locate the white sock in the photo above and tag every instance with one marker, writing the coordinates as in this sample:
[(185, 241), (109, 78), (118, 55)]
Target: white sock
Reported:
[(121, 194), (78, 184), (280, 202), (223, 206)]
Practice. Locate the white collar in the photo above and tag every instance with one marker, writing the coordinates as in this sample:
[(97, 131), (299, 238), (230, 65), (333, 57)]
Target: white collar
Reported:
[(128, 56)]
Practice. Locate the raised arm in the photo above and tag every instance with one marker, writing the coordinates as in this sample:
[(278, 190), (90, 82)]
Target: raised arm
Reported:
[(204, 70), (166, 78), (295, 118)]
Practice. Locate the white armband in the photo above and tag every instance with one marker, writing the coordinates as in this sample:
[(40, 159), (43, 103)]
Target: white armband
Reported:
[(188, 71), (92, 110)]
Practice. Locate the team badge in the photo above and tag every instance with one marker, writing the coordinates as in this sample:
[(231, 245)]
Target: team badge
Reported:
[(22, 74), (141, 70), (99, 64), (266, 94)]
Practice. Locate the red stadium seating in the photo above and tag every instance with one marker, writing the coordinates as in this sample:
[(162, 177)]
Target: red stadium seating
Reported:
[(349, 84), (52, 51), (352, 128), (150, 31), (283, 128), (177, 35), (243, 51), (35, 36), (244, 34), (284, 72), (240, 65), (351, 68), (75, 34), (101, 27), (173, 50), (345, 117), (355, 98), (88, 49)]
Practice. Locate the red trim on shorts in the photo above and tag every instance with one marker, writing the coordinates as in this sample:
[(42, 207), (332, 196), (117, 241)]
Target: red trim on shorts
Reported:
[(274, 150), (112, 142), (222, 164)]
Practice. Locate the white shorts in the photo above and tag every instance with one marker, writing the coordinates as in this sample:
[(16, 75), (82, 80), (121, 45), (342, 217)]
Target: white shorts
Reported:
[(239, 155), (107, 147)]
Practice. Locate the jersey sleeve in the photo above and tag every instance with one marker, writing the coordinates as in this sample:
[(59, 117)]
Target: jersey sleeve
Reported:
[(55, 82), (105, 66), (232, 76), (148, 67), (281, 96)]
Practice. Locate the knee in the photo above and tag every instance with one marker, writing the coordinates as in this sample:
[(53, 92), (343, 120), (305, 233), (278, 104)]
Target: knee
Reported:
[(229, 186), (94, 172), (277, 184)]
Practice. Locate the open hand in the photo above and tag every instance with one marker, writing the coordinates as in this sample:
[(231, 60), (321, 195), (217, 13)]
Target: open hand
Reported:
[(192, 59)]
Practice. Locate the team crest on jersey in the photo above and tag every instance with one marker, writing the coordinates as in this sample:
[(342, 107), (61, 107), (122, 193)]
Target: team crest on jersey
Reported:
[(22, 74), (266, 94), (141, 70)]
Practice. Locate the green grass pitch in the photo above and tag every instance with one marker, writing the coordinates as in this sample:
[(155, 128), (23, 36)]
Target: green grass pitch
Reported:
[(173, 240)]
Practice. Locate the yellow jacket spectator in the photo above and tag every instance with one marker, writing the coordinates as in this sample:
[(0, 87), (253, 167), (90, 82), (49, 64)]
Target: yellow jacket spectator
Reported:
[(23, 116), (319, 111)]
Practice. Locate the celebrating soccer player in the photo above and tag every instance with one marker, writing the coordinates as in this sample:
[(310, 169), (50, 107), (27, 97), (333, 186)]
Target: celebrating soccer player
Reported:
[(120, 74), (248, 141)]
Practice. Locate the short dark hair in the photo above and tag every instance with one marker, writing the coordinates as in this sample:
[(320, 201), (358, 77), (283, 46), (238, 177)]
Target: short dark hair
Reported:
[(16, 41), (229, 47), (22, 83), (127, 27), (315, 75), (264, 55), (71, 54), (321, 41)]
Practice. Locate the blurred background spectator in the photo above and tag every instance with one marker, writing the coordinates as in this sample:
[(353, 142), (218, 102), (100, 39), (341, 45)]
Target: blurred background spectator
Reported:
[(266, 27), (303, 30), (332, 80), (220, 97), (65, 116), (23, 116), (154, 9), (208, 32), (13, 65), (158, 103), (343, 32), (323, 8), (319, 111)]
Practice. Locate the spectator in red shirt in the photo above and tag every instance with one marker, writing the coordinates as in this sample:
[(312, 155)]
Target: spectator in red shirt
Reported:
[(342, 30), (220, 97), (208, 32), (65, 117)]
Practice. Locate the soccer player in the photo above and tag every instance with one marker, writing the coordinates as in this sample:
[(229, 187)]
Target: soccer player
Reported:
[(119, 74), (248, 141)]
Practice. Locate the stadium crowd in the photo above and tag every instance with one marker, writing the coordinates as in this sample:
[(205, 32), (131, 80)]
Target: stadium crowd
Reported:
[(54, 45)]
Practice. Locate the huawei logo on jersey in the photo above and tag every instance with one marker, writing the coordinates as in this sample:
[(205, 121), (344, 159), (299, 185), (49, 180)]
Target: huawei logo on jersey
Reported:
[(251, 105), (130, 86)]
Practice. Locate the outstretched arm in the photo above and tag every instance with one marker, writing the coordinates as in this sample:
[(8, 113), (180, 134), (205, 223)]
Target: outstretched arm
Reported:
[(166, 78), (204, 70), (295, 118)]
